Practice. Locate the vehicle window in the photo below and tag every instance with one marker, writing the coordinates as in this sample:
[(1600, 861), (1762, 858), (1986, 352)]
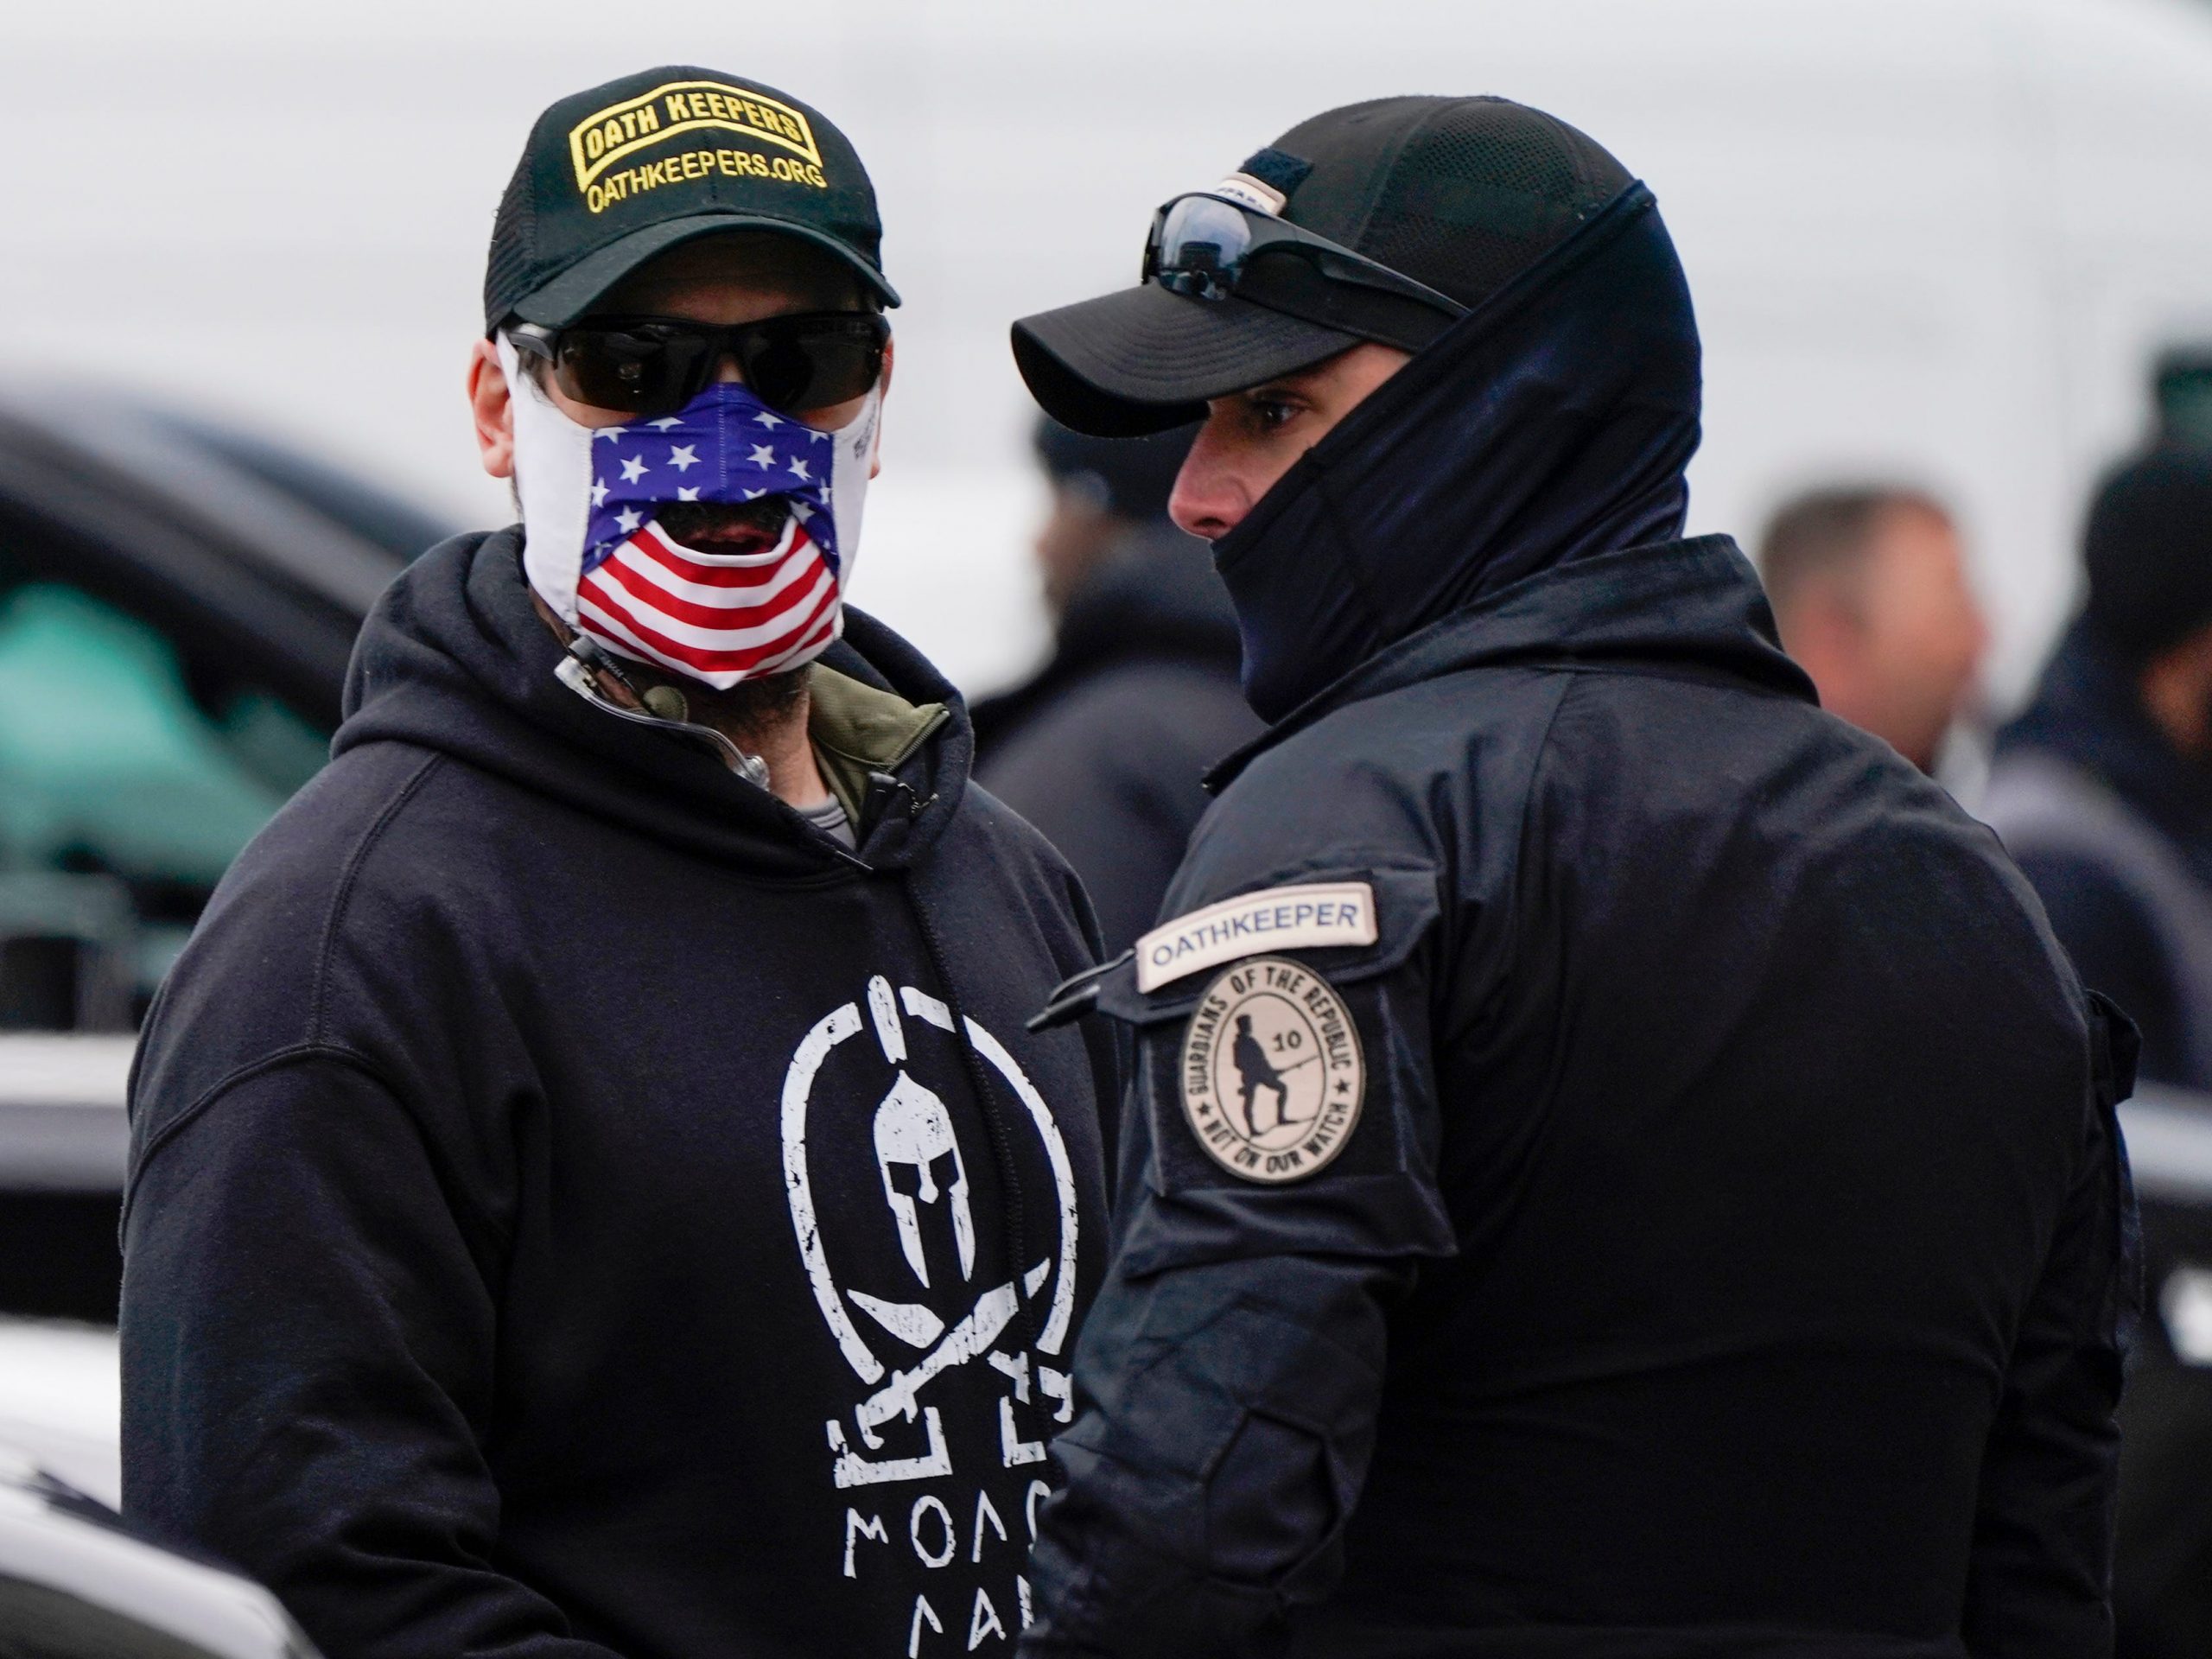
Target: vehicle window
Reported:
[(123, 800)]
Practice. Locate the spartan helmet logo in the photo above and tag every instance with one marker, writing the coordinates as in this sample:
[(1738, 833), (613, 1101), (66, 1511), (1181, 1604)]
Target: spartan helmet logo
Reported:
[(926, 1189), (913, 1134)]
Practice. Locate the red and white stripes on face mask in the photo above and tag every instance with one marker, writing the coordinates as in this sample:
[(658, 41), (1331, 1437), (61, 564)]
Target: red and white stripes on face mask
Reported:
[(718, 617), (595, 549)]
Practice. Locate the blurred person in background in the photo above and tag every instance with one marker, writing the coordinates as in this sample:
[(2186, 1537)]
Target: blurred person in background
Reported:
[(1871, 595), (591, 1192), (1616, 1164), (2102, 789), (1104, 749)]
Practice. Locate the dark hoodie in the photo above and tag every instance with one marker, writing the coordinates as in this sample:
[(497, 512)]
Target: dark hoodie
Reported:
[(575, 1205), (1107, 749), (1719, 1246)]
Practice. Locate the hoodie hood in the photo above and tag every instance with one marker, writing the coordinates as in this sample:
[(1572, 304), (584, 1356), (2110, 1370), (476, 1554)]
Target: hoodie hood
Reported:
[(1551, 424), (455, 659)]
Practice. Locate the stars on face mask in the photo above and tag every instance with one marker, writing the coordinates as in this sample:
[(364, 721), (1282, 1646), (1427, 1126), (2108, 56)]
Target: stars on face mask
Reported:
[(716, 454)]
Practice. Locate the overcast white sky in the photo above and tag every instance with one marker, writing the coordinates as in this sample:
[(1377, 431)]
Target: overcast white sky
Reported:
[(1931, 237)]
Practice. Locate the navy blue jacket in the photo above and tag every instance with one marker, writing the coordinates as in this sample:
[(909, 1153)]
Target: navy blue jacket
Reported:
[(1710, 1239), (2135, 945), (575, 1207)]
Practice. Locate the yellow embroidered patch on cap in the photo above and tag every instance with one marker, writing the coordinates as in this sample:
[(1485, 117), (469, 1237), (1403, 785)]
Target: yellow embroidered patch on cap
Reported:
[(608, 136)]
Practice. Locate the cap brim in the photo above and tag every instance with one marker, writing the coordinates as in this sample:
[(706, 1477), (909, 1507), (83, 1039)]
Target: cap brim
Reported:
[(570, 294), (1144, 359)]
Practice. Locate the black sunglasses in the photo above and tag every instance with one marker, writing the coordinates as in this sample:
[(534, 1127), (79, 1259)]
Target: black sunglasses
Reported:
[(1208, 247), (655, 365)]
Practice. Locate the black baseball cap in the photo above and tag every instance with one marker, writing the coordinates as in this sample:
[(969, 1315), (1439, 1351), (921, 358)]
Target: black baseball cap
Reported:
[(2148, 550), (1461, 193), (612, 176)]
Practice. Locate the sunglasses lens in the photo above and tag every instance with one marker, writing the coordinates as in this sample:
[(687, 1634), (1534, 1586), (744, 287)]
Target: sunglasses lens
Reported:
[(1201, 248), (641, 370), (805, 363)]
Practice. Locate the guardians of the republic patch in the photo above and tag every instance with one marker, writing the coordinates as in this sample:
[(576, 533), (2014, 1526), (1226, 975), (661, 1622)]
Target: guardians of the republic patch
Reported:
[(1271, 1073)]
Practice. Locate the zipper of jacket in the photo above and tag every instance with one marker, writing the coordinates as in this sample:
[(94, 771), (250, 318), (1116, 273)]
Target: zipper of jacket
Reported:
[(579, 670)]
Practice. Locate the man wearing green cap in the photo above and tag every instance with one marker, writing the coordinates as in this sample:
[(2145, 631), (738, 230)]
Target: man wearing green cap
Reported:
[(592, 1191)]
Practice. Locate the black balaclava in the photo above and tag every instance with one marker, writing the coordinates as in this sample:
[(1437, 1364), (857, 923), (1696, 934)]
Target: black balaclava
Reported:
[(1550, 424)]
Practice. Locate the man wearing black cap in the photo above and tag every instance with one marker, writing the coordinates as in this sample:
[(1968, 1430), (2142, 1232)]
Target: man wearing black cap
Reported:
[(2102, 789), (1104, 747), (1617, 1164), (591, 1190)]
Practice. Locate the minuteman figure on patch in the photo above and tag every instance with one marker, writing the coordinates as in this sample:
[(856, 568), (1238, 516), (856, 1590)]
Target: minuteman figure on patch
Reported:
[(1258, 1072), (1247, 1092)]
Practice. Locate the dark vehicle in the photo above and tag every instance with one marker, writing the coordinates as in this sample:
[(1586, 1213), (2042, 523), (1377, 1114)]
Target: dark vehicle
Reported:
[(177, 605), (76, 1583)]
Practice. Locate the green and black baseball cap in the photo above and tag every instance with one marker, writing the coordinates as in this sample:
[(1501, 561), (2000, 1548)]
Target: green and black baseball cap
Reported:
[(1461, 194), (612, 176)]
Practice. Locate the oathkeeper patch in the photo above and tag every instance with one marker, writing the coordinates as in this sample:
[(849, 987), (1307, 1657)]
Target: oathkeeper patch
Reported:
[(1306, 917), (1271, 1072)]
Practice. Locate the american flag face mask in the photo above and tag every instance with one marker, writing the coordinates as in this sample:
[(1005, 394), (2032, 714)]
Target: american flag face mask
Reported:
[(595, 551)]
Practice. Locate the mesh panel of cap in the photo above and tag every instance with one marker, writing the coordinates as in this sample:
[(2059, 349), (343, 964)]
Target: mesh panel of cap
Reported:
[(1481, 190), (506, 273)]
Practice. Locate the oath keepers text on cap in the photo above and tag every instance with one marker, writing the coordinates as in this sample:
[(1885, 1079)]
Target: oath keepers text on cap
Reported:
[(602, 141)]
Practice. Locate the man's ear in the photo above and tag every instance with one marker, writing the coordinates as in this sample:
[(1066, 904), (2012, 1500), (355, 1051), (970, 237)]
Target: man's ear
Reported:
[(490, 406), (890, 358), (1825, 634)]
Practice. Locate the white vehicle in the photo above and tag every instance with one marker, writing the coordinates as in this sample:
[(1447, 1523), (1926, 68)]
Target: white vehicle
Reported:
[(75, 1583)]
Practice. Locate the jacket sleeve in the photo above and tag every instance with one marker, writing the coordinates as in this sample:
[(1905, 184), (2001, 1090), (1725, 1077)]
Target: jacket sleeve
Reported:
[(2039, 1580), (309, 1327), (1229, 1373), (2115, 947)]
